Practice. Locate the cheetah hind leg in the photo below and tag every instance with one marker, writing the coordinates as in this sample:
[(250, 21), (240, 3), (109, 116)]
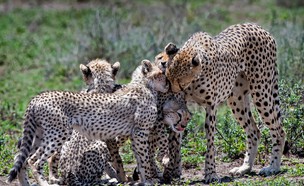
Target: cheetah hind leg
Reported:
[(42, 154), (113, 148), (239, 102), (53, 169), (37, 167), (270, 114)]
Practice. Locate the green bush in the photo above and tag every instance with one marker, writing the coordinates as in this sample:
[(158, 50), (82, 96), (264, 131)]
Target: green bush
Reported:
[(292, 106)]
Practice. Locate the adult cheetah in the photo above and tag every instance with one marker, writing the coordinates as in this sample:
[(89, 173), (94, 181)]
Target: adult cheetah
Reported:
[(97, 116), (237, 63)]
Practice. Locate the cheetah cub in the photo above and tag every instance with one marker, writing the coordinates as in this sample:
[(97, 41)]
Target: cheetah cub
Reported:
[(97, 116), (99, 76)]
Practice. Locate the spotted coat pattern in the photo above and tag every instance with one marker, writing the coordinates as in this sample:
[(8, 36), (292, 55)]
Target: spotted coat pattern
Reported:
[(99, 75), (174, 109), (237, 63), (82, 161), (96, 116)]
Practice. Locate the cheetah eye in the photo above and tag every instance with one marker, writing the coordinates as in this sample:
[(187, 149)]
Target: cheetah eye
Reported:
[(195, 61)]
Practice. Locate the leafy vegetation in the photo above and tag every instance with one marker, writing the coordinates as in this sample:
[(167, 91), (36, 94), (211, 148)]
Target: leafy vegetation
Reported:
[(41, 49)]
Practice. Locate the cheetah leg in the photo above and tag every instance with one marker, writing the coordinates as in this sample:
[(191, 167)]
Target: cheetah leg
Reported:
[(47, 148), (268, 107), (161, 142), (140, 147), (36, 167), (155, 141), (153, 144), (53, 168), (116, 159), (173, 169), (210, 171), (239, 102), (111, 172)]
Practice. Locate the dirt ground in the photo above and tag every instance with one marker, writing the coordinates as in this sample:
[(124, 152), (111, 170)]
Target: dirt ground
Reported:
[(194, 175)]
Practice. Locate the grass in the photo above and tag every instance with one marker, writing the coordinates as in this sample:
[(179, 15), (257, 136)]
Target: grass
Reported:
[(41, 49)]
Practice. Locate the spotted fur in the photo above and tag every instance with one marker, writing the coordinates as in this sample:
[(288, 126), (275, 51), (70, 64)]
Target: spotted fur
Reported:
[(82, 161), (96, 116), (174, 109), (99, 75), (238, 63)]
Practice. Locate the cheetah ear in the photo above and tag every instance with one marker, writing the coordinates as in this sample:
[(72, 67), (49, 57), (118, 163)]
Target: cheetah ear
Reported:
[(115, 67), (86, 71), (171, 50), (146, 66)]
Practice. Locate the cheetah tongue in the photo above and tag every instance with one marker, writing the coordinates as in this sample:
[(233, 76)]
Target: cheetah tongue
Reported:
[(179, 128)]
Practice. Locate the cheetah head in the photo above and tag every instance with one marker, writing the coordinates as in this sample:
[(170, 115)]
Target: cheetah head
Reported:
[(162, 58), (176, 115), (156, 79), (184, 65), (100, 75)]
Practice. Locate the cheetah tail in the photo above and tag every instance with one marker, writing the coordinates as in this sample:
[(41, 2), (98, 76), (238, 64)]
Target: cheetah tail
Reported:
[(26, 144)]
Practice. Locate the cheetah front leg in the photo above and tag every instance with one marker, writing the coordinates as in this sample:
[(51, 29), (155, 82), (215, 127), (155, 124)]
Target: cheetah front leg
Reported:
[(173, 168), (140, 147), (157, 140), (210, 171)]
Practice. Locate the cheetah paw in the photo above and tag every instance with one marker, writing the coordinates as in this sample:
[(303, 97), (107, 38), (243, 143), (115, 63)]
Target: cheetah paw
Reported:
[(210, 178), (239, 171), (270, 170), (54, 180), (149, 182)]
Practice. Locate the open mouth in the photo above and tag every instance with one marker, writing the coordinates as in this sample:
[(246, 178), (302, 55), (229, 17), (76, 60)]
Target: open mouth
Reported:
[(180, 129)]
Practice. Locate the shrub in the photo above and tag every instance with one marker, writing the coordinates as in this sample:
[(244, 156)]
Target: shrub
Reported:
[(292, 106)]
